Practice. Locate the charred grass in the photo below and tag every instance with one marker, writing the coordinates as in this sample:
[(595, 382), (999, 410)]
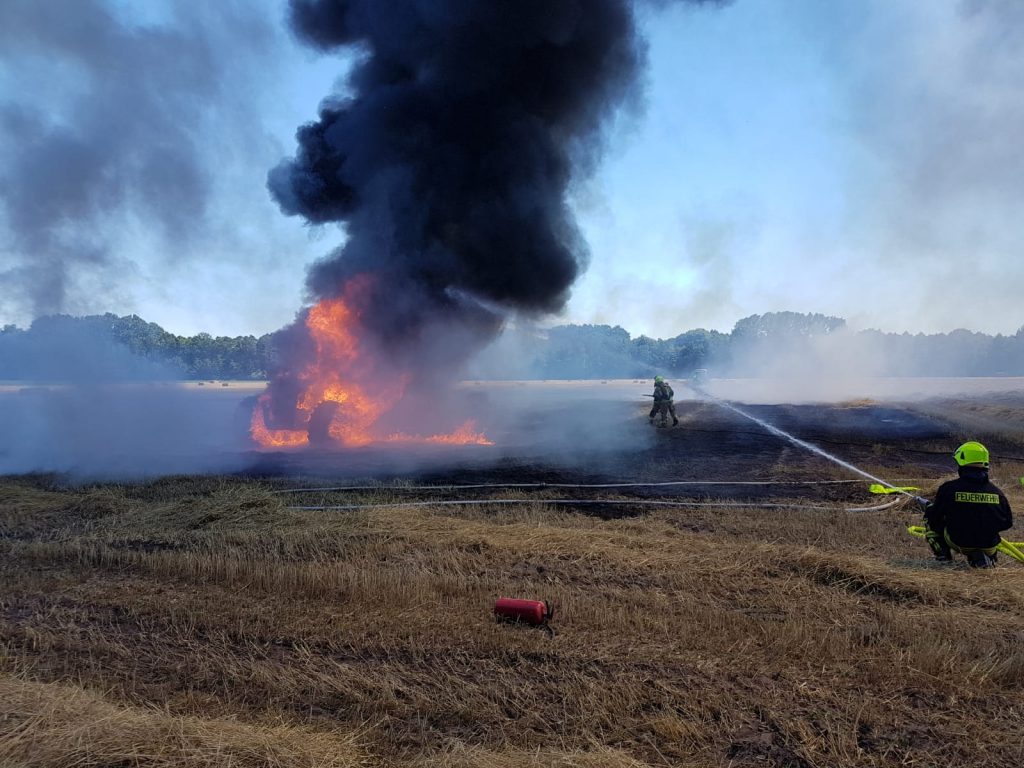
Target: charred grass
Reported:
[(199, 621)]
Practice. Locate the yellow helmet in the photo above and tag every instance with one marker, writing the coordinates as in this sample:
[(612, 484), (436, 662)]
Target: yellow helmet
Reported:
[(971, 453)]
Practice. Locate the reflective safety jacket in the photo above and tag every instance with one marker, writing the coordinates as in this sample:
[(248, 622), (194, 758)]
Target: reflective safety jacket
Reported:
[(971, 509), (663, 391)]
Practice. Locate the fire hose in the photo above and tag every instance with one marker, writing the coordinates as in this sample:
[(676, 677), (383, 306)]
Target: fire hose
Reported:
[(662, 484), (584, 502)]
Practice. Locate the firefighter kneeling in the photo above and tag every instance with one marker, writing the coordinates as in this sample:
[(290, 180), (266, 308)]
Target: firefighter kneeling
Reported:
[(968, 513)]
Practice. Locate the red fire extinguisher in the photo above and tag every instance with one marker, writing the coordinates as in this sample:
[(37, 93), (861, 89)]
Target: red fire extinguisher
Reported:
[(536, 613)]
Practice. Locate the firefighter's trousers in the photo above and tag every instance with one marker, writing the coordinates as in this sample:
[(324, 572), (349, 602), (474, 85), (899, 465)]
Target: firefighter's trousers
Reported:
[(664, 408)]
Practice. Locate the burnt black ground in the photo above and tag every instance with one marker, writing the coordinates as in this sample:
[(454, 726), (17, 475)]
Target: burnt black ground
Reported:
[(544, 432), (600, 441)]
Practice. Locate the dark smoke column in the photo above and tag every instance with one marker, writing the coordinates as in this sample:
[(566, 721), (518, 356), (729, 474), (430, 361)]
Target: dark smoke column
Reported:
[(450, 161)]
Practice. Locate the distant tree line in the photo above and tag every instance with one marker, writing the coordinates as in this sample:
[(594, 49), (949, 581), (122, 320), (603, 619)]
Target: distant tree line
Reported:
[(776, 343), (64, 347)]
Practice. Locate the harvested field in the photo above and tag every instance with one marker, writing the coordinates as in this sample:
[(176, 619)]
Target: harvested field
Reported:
[(206, 621)]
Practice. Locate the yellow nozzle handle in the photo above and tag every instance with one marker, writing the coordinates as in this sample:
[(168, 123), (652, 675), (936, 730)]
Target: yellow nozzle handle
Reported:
[(876, 488)]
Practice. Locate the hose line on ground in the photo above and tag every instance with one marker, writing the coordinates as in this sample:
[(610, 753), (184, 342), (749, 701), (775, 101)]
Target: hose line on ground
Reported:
[(580, 502), (665, 484)]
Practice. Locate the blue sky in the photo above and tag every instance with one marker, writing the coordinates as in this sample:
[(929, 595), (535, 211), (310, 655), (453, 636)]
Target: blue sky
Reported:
[(710, 197), (858, 158), (848, 158)]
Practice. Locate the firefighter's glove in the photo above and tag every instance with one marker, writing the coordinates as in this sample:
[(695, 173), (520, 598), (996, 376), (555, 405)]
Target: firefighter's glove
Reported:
[(937, 544)]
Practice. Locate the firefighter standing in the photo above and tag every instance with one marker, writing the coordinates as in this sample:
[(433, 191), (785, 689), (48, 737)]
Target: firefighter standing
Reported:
[(968, 513), (663, 404)]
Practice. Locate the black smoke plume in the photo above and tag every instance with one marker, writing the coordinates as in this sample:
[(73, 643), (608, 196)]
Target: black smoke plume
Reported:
[(451, 160), (451, 156)]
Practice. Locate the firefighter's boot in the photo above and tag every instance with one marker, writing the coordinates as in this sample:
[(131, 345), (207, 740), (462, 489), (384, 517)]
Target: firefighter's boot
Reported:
[(981, 559)]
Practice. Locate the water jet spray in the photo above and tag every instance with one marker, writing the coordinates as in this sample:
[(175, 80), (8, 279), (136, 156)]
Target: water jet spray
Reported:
[(807, 446)]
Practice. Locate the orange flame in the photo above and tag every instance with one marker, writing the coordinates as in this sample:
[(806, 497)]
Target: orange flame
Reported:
[(274, 438), (464, 435), (334, 376)]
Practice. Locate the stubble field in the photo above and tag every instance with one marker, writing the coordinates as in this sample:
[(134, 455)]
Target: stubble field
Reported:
[(210, 621)]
